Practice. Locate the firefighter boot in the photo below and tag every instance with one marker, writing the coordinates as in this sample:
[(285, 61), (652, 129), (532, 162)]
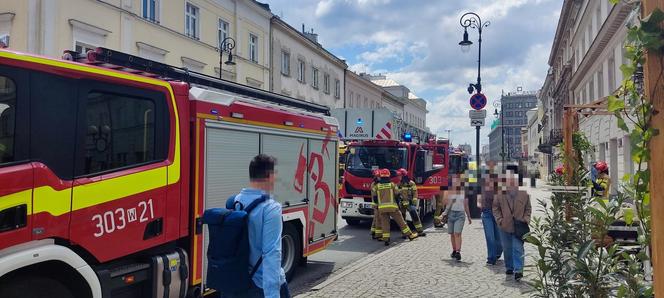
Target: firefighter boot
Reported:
[(412, 236), (386, 238)]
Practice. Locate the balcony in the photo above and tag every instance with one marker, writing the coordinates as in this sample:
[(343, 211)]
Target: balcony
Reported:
[(554, 138)]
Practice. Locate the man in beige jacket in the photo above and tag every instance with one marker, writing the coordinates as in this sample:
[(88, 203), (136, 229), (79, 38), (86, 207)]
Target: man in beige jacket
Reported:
[(511, 204)]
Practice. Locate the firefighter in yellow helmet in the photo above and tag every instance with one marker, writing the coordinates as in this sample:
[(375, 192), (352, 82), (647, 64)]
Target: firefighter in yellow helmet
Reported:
[(376, 228), (386, 193), (408, 199)]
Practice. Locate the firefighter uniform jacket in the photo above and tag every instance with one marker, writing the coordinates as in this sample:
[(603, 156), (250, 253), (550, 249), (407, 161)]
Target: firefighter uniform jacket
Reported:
[(373, 193), (408, 193), (386, 194), (601, 186)]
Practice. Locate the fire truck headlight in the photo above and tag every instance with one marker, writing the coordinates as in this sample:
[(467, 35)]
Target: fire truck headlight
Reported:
[(346, 204)]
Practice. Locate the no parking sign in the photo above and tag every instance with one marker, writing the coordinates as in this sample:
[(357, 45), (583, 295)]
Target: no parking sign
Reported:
[(478, 101)]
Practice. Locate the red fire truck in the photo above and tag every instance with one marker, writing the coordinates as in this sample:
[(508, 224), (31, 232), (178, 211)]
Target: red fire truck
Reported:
[(107, 164), (363, 157)]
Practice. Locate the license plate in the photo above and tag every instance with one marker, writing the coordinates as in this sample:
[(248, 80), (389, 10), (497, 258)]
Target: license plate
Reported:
[(368, 206)]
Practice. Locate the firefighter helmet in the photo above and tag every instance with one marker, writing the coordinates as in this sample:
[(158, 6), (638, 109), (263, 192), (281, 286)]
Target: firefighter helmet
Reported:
[(402, 172), (384, 173), (601, 166)]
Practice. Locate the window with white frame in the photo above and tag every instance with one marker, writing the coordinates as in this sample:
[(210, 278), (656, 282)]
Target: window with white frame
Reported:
[(314, 77), (83, 48), (285, 63), (350, 99), (301, 71), (600, 83), (253, 48), (222, 32), (612, 74), (337, 89), (326, 83), (191, 22), (151, 10)]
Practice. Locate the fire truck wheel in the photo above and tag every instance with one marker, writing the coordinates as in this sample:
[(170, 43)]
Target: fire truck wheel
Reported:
[(291, 250), (353, 222), (34, 286)]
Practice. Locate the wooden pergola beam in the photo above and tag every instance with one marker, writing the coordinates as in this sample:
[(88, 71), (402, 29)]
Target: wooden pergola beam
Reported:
[(655, 93)]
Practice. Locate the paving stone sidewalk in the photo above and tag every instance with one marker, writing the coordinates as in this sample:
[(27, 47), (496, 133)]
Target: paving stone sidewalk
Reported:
[(423, 268)]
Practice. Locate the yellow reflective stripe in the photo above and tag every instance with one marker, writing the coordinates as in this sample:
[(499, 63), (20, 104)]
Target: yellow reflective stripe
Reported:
[(108, 190), (55, 202), (16, 199), (387, 206), (174, 167)]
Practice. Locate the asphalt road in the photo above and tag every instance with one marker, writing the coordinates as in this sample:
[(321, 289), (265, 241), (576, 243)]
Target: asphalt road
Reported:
[(354, 243)]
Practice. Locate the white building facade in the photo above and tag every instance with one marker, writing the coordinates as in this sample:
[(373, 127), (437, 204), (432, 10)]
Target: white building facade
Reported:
[(361, 93), (303, 69), (585, 61)]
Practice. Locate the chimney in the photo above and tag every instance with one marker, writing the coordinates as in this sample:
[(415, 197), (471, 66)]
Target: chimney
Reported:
[(310, 35)]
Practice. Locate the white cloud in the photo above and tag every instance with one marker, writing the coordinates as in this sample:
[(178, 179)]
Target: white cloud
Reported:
[(414, 42)]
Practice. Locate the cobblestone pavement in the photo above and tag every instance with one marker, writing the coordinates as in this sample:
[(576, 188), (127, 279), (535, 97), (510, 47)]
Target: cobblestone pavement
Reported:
[(423, 268)]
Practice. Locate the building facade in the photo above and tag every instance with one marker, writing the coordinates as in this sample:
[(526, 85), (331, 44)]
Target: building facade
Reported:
[(585, 59), (185, 33), (361, 93), (514, 106), (303, 69)]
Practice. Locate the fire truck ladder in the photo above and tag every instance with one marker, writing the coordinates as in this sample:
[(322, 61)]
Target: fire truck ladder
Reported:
[(121, 61)]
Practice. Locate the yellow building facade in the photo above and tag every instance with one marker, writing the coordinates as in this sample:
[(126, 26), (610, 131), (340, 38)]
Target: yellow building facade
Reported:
[(185, 33)]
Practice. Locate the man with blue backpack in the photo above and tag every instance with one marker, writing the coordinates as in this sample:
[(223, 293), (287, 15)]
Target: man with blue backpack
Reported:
[(244, 254)]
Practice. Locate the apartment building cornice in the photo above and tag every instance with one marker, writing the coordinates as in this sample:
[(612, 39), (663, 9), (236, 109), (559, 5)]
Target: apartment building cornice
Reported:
[(290, 30), (560, 29), (614, 22)]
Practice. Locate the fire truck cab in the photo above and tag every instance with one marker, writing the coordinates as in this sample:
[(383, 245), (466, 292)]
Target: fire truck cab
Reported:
[(107, 165), (365, 156)]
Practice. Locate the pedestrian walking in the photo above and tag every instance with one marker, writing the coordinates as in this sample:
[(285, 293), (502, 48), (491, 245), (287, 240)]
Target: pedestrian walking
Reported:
[(456, 211), (491, 230), (512, 211), (265, 226), (408, 200), (386, 193)]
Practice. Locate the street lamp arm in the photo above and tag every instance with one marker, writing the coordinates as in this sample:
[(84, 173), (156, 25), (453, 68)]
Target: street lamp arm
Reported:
[(472, 20), (227, 44)]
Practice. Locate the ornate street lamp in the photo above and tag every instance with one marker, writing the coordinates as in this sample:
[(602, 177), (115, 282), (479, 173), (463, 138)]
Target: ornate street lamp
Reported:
[(226, 45)]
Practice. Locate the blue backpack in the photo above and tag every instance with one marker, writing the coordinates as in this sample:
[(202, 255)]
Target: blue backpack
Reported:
[(228, 248)]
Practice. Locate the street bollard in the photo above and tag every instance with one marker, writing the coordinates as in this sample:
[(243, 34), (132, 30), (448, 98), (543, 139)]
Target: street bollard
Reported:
[(532, 181)]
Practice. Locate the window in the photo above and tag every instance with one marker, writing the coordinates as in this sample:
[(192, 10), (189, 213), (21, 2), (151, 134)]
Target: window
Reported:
[(301, 71), (366, 102), (253, 48), (350, 99), (223, 33), (314, 77), (151, 10), (120, 132), (612, 74), (337, 89), (326, 83), (591, 90), (191, 21), (83, 48), (7, 119), (600, 83), (285, 63)]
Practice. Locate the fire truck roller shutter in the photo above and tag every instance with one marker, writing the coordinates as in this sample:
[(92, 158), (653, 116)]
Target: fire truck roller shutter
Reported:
[(227, 157), (322, 188), (291, 191)]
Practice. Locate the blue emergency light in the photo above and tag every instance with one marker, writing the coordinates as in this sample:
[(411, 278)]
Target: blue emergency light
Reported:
[(407, 137), (359, 121)]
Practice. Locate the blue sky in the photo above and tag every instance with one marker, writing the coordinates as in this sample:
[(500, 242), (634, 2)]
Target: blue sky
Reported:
[(415, 42)]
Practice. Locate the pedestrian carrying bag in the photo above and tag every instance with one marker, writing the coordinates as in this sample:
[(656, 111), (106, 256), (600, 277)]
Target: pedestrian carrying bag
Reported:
[(521, 228), (228, 249)]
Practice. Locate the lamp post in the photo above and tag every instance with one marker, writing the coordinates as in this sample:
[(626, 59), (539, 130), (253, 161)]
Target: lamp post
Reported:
[(502, 130), (226, 45), (472, 20)]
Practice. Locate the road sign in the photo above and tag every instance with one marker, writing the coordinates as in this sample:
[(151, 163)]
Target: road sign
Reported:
[(475, 114), (478, 101), (476, 122)]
